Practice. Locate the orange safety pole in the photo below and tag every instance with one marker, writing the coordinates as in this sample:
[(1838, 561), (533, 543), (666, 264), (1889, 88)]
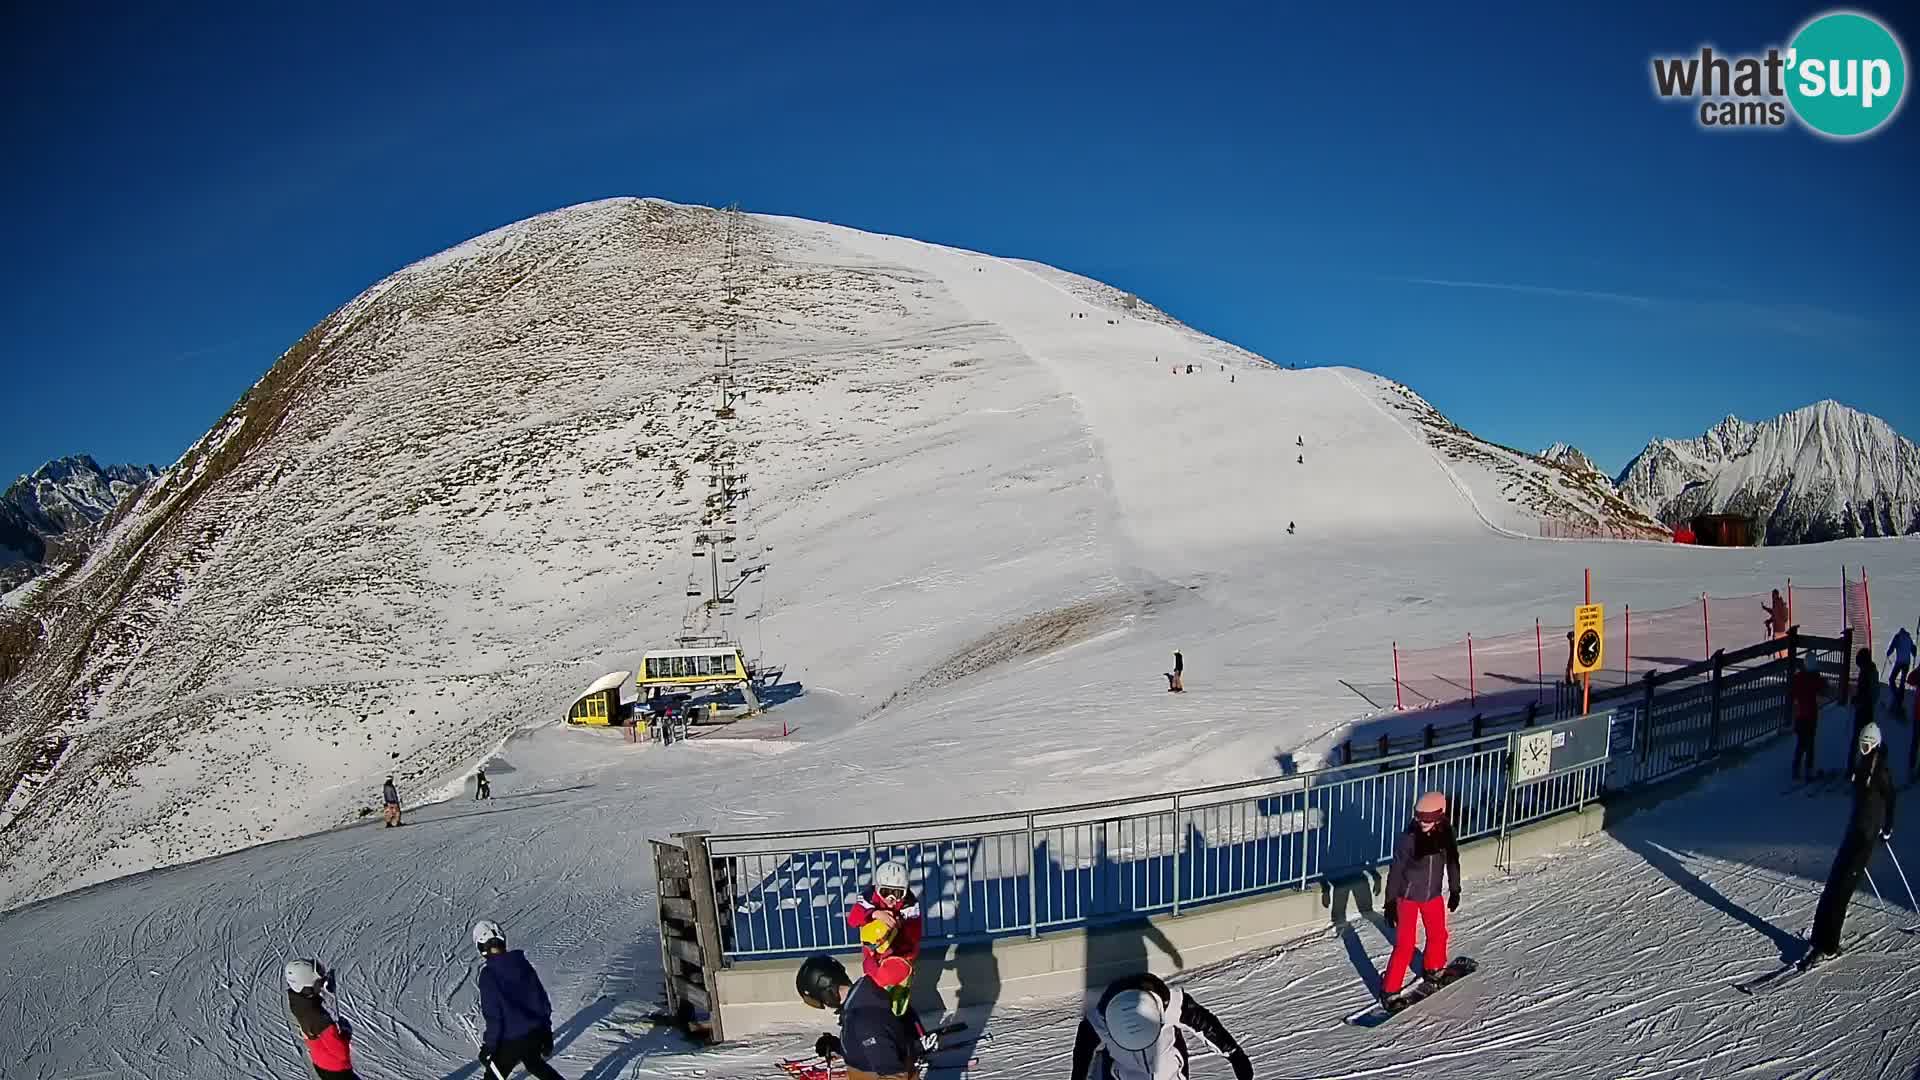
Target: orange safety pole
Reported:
[(1396, 677)]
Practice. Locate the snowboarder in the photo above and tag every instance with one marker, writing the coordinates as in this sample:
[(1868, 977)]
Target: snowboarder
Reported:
[(390, 803), (1189, 369), (875, 1043), (889, 922), (1138, 1028), (328, 1040), (1871, 822), (481, 789), (519, 1016), (1425, 853), (1806, 689), (1901, 649), (1299, 440), (1866, 695), (1289, 528), (1176, 682)]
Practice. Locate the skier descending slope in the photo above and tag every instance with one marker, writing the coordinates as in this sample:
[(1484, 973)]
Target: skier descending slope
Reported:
[(1137, 1031), (327, 1039), (876, 1044), (1901, 649), (889, 922), (519, 1016), (1871, 822), (390, 803), (1425, 857)]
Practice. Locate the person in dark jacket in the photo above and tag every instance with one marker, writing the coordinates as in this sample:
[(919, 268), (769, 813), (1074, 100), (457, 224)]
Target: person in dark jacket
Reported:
[(481, 789), (1137, 1030), (1424, 858), (1806, 688), (1871, 822), (390, 803), (519, 1017), (1901, 650), (1866, 695), (875, 1043), (327, 1039)]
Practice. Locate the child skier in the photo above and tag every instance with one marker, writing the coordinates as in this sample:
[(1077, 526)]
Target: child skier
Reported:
[(327, 1039), (1138, 1028), (518, 1013), (1425, 854), (1806, 688), (889, 922), (1871, 822)]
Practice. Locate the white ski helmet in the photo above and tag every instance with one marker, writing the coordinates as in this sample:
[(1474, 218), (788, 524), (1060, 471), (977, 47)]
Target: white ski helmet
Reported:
[(1870, 738), (892, 874), (1134, 1019), (485, 933), (303, 975)]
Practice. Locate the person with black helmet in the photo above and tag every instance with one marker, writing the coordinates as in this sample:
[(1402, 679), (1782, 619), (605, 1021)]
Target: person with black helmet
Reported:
[(875, 1043), (1871, 822), (518, 1013), (327, 1039), (1137, 1030)]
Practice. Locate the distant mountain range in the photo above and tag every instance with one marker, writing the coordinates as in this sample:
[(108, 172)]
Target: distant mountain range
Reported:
[(1822, 472), (55, 510)]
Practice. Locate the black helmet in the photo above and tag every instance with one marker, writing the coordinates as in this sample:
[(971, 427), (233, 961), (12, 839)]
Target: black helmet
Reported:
[(818, 977)]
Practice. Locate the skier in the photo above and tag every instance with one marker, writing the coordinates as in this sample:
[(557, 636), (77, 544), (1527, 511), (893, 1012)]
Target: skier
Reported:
[(519, 1016), (482, 789), (1871, 821), (1571, 681), (1806, 689), (1866, 695), (1901, 649), (1425, 852), (327, 1039), (1176, 683), (875, 1043), (1137, 1030), (1776, 610), (390, 803), (889, 922)]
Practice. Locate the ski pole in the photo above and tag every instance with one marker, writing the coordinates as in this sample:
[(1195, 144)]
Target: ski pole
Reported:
[(1876, 890), (1902, 873)]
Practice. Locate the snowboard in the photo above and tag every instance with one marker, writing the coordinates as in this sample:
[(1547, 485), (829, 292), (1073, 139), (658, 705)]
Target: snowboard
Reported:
[(1386, 1009)]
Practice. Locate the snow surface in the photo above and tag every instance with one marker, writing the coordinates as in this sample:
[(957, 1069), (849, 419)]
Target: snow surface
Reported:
[(1612, 958)]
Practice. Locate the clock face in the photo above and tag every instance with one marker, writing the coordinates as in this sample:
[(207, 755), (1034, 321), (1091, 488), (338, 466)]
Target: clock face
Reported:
[(1535, 757), (1589, 648)]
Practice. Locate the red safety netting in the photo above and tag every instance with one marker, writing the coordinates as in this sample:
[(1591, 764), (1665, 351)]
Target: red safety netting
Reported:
[(1859, 607), (1507, 670), (1559, 529)]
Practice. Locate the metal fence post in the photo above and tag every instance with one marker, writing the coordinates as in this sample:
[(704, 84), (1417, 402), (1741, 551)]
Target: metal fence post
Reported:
[(1179, 846), (1033, 884), (1713, 722)]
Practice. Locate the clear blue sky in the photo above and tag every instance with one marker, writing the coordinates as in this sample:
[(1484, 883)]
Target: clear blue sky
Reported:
[(1494, 210)]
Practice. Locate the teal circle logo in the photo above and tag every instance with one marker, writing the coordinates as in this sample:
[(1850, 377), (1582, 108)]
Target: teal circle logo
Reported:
[(1846, 74)]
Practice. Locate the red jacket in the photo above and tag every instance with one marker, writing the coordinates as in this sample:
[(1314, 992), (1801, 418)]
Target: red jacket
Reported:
[(896, 965), (326, 1043), (1806, 690)]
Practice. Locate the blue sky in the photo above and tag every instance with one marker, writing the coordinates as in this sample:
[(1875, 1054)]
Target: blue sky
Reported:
[(1495, 210)]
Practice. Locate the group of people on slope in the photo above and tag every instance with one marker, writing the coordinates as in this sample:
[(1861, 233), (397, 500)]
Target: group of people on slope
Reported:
[(513, 1003), (1138, 1027)]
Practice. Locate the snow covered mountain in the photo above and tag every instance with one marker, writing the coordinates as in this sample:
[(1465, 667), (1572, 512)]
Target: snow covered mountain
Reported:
[(1570, 457), (57, 506), (469, 491), (1817, 473)]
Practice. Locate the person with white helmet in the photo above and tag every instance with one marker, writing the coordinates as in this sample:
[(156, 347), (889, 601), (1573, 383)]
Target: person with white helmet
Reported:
[(1871, 822), (1425, 858), (1137, 1030), (888, 920), (518, 1014), (327, 1039)]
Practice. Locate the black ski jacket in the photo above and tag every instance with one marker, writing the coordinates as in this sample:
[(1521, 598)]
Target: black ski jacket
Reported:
[(1872, 797), (1422, 862), (872, 1038)]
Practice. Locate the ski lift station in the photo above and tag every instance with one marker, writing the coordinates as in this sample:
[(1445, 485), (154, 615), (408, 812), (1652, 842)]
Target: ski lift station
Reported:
[(716, 666)]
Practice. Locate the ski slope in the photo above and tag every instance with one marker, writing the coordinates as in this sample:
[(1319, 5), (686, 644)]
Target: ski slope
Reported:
[(1613, 958)]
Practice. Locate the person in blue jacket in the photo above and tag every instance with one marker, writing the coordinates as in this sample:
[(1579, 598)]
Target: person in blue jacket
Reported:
[(519, 1016), (875, 1043)]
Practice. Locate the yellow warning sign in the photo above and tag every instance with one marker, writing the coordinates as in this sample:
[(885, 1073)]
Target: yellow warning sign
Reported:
[(1589, 638)]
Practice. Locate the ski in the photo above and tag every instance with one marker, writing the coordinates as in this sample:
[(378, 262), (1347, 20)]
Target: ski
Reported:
[(1386, 1009), (1787, 973)]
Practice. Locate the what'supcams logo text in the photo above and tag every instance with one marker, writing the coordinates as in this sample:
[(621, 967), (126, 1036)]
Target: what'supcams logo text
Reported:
[(1844, 75)]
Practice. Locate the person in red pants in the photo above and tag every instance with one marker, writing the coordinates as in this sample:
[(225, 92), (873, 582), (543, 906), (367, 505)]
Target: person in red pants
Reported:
[(1424, 858)]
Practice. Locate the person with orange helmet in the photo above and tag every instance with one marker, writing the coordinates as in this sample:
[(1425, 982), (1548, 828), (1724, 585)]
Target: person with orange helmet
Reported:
[(1424, 858)]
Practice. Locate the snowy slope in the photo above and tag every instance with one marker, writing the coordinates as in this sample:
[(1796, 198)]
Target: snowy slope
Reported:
[(985, 491), (1816, 473), (1611, 959)]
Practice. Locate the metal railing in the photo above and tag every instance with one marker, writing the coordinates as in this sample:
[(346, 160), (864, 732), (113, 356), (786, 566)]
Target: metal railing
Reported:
[(996, 875)]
